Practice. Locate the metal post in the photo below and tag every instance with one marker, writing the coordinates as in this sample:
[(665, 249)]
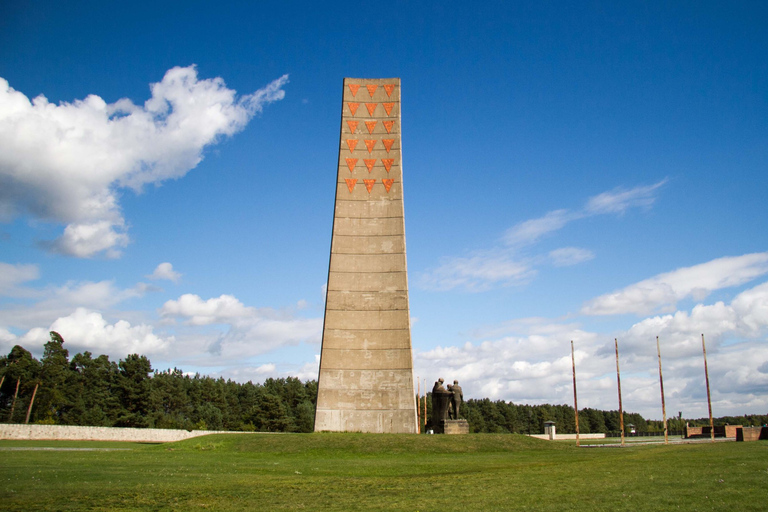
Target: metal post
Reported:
[(661, 384), (418, 403), (618, 381), (709, 398), (575, 401), (425, 405)]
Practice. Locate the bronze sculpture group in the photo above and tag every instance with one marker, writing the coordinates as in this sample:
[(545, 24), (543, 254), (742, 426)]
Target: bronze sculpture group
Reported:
[(446, 403)]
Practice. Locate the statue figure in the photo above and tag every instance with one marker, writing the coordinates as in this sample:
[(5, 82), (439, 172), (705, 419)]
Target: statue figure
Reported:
[(440, 401), (457, 397)]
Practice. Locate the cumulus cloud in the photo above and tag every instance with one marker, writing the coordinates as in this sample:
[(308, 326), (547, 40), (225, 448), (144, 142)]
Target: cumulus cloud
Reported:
[(86, 329), (66, 163), (164, 271), (44, 305), (510, 263), (6, 337), (662, 292), (249, 331)]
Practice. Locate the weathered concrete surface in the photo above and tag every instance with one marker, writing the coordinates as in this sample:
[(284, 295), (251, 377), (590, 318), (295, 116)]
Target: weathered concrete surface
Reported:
[(366, 363)]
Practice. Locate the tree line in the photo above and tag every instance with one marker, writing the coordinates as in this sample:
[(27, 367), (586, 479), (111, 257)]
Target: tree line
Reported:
[(92, 391), (99, 392)]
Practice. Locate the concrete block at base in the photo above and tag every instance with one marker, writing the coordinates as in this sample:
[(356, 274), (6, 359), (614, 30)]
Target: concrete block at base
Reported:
[(455, 426), (377, 422)]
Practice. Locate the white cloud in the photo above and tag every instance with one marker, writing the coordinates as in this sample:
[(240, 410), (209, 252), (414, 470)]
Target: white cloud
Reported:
[(309, 371), (478, 272), (165, 271), (6, 337), (222, 309), (250, 331), (619, 200), (66, 163), (11, 276), (568, 256), (53, 302), (530, 231), (662, 292), (86, 329), (83, 240), (510, 265), (745, 317)]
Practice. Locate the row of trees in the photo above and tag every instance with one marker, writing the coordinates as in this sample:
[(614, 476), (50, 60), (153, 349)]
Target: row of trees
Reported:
[(85, 390), (99, 392), (507, 417)]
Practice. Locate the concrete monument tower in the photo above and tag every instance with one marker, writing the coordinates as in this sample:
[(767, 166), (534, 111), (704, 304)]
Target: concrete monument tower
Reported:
[(366, 364)]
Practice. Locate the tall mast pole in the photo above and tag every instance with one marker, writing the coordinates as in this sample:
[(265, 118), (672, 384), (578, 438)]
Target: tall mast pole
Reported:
[(575, 401), (618, 381), (709, 398), (661, 384)]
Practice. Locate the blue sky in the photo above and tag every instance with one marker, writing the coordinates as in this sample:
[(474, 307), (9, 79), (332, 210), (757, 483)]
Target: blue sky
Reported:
[(585, 172)]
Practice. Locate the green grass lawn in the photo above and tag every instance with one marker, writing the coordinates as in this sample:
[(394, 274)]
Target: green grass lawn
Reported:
[(382, 472)]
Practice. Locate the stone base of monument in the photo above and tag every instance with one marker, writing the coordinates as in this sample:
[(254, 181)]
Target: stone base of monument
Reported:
[(454, 426)]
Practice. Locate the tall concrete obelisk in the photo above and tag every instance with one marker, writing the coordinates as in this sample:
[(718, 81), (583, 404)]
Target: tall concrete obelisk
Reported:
[(366, 364)]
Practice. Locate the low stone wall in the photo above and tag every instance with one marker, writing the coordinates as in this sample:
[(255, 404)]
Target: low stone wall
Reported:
[(751, 433), (727, 431), (72, 433), (568, 437)]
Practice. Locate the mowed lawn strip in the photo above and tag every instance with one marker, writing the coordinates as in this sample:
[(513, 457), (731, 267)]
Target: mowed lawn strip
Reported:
[(383, 472)]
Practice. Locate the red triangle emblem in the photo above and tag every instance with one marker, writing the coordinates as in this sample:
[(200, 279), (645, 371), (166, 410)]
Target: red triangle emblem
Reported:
[(369, 163), (387, 107), (351, 182), (388, 125), (351, 163), (354, 88), (352, 143), (387, 184), (387, 144), (353, 107), (371, 108), (371, 125), (371, 89), (387, 163), (389, 88), (369, 184), (370, 144), (352, 126)]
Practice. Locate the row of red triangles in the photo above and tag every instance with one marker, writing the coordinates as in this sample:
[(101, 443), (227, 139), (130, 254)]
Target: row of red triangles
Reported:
[(352, 162), (353, 88), (371, 107), (351, 182), (370, 144), (371, 125)]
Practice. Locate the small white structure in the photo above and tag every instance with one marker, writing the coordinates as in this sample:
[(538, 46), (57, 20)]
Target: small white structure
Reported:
[(549, 430)]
